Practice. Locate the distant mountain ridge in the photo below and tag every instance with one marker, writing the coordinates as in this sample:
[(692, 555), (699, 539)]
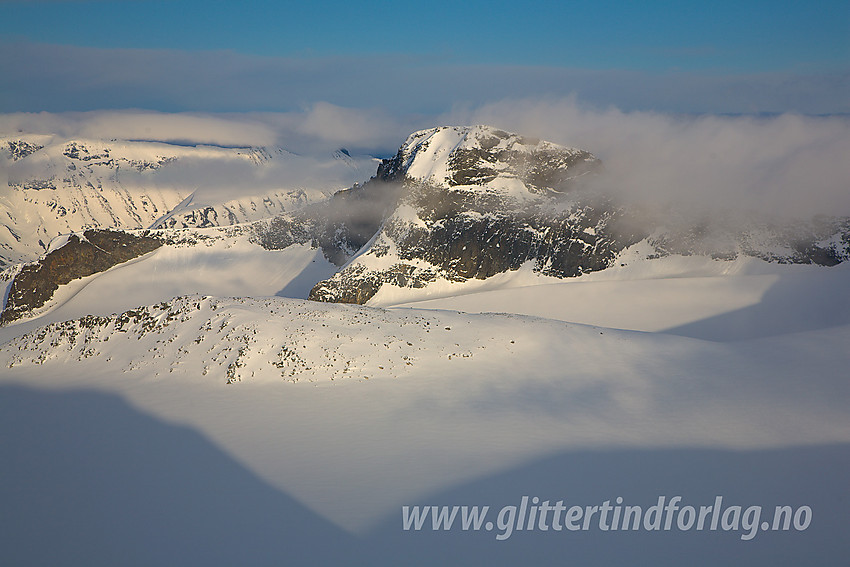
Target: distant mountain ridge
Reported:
[(50, 185), (55, 186)]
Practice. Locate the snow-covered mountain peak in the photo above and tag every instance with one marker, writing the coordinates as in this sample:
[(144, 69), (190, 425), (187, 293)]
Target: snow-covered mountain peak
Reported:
[(17, 149), (482, 157), (344, 155)]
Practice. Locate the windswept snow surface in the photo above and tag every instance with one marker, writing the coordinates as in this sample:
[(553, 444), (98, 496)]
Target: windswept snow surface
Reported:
[(693, 296), (343, 414)]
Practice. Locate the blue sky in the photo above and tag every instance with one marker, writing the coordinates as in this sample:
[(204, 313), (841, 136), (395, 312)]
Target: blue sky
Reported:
[(423, 56)]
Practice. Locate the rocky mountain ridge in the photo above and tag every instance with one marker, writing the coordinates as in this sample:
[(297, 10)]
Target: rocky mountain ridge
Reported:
[(51, 186), (233, 340)]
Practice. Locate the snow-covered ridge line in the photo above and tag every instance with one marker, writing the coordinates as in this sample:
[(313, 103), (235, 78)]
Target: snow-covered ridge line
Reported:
[(116, 151), (229, 340), (237, 211), (57, 186)]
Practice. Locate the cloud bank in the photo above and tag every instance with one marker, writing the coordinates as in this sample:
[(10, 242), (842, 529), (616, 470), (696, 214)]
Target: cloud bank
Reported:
[(180, 128), (316, 129), (789, 164)]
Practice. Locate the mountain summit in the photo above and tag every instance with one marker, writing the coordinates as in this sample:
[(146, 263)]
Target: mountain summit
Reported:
[(477, 201), (483, 158)]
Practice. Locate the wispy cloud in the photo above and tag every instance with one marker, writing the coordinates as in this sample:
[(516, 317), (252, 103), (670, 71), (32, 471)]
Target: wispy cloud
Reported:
[(318, 128)]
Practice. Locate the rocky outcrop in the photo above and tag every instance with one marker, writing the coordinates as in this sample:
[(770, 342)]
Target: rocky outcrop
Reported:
[(81, 256), (489, 159), (19, 149), (462, 240)]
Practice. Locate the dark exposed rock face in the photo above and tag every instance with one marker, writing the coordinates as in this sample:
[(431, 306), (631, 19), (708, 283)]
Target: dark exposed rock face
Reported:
[(97, 251), (79, 151), (471, 236), (200, 218), (460, 241)]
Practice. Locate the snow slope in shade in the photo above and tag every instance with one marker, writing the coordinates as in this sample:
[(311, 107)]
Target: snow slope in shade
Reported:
[(161, 493), (449, 397)]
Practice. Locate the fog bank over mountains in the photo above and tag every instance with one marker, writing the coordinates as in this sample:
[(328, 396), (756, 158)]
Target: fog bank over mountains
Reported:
[(788, 165)]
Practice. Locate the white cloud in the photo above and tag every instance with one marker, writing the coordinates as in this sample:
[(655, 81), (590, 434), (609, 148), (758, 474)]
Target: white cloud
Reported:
[(323, 126), (181, 128), (318, 128)]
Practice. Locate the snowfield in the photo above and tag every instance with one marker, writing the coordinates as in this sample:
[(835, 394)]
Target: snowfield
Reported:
[(690, 296), (354, 411)]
